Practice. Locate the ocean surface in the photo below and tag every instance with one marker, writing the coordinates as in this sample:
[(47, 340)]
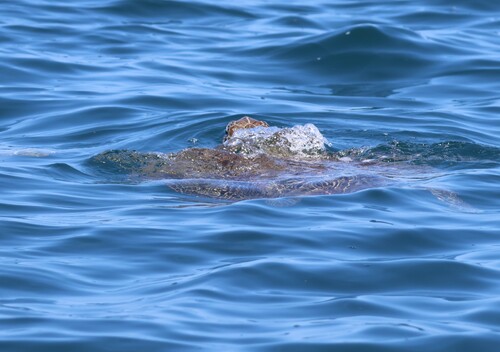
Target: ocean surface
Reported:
[(89, 262)]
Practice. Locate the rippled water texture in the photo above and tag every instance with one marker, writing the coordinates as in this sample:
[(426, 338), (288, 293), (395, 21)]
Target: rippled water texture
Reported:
[(92, 262)]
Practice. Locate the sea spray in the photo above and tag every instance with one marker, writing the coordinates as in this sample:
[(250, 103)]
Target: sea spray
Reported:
[(299, 141)]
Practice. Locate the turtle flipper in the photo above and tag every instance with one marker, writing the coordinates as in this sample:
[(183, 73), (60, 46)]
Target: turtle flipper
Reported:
[(453, 200), (341, 185), (220, 189), (235, 190)]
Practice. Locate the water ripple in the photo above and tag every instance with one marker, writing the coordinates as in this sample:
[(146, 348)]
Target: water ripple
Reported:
[(93, 262)]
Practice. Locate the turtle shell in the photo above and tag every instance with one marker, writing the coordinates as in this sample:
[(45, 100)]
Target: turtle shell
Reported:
[(244, 122)]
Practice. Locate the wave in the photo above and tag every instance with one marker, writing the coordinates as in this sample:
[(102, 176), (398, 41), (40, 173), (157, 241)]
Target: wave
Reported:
[(93, 258), (167, 10), (363, 52)]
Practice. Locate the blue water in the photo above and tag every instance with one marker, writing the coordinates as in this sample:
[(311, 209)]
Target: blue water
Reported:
[(90, 264)]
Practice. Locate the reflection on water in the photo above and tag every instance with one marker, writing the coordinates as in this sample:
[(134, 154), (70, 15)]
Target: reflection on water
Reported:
[(96, 258)]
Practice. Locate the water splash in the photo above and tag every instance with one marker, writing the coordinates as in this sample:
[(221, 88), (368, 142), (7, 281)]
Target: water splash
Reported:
[(299, 141)]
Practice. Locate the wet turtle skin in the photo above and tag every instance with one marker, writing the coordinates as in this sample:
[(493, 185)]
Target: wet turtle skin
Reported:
[(196, 163)]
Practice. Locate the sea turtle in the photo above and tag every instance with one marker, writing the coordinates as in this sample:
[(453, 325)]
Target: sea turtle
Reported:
[(259, 161)]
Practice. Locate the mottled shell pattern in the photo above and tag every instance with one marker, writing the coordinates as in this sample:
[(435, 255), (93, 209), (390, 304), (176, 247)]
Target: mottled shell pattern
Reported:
[(244, 122)]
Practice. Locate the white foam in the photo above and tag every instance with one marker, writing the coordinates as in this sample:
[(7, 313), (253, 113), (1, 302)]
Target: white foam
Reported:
[(29, 152)]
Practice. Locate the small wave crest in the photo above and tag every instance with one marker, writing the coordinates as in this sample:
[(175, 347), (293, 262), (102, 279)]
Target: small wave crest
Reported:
[(364, 52)]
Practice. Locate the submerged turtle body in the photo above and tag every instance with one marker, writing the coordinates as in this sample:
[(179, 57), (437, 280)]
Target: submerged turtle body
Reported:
[(241, 190), (254, 163), (224, 175)]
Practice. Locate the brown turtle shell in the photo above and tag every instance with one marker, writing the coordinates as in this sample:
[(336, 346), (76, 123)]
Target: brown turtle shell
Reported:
[(244, 122)]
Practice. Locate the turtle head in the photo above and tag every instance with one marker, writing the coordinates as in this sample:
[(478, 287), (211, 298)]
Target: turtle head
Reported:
[(244, 122)]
